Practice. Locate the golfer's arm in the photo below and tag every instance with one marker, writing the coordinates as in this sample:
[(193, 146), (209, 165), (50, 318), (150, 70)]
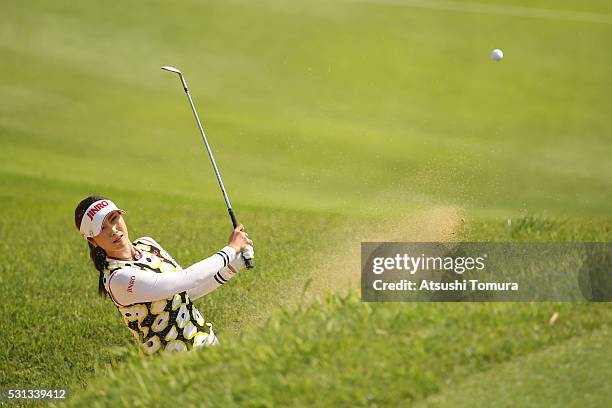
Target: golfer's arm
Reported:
[(218, 279), (211, 283), (131, 285)]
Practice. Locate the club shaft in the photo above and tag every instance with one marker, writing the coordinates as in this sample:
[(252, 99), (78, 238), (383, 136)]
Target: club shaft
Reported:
[(247, 261), (210, 153)]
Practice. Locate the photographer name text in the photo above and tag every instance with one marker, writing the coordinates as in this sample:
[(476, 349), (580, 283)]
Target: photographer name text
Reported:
[(457, 285)]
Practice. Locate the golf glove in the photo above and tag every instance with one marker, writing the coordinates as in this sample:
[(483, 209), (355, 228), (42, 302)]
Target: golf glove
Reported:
[(247, 253)]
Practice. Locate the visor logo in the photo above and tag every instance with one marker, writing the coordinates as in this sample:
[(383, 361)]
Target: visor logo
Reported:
[(96, 208)]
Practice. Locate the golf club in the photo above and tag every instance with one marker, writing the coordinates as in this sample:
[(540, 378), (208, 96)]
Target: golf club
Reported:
[(248, 262)]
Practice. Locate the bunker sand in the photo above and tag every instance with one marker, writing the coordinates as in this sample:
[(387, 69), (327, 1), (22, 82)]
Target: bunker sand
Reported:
[(340, 272)]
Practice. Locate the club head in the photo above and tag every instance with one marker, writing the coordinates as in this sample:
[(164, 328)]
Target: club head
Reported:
[(172, 69)]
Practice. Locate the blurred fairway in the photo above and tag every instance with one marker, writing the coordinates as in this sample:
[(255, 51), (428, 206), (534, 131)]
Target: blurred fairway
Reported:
[(331, 122), (345, 106)]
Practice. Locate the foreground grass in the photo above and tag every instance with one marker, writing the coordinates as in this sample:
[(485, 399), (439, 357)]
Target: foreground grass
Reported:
[(58, 334), (345, 352), (573, 373)]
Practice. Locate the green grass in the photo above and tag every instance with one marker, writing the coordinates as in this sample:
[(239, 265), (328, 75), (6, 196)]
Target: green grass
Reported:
[(349, 353), (333, 123), (573, 373), (51, 286), (330, 106)]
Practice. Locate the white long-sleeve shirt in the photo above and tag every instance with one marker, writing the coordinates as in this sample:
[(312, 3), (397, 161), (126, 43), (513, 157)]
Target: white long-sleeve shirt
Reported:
[(140, 280), (154, 295)]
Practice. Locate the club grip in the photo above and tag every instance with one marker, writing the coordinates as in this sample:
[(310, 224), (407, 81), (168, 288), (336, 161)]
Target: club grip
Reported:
[(247, 262), (233, 217)]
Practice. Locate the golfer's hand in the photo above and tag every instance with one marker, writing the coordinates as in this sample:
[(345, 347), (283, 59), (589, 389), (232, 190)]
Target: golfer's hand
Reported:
[(239, 263), (239, 239), (248, 252)]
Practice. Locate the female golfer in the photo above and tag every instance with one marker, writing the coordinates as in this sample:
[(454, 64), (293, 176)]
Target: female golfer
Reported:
[(152, 292)]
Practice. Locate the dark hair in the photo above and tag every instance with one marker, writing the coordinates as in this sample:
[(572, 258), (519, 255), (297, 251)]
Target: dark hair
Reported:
[(96, 253)]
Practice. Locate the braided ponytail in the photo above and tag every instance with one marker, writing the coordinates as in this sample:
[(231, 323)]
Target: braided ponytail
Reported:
[(96, 253), (98, 257)]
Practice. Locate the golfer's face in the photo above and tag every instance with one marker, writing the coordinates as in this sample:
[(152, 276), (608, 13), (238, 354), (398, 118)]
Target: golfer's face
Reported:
[(114, 233)]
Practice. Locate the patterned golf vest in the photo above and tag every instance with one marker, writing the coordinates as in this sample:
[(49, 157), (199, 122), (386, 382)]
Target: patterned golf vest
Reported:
[(172, 324)]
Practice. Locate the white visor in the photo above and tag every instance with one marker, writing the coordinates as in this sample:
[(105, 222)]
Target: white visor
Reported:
[(91, 224)]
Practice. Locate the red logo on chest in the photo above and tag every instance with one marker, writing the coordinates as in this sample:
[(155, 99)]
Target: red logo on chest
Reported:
[(131, 284)]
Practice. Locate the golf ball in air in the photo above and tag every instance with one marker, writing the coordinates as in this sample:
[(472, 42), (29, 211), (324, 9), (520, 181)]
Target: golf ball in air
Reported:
[(497, 54)]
